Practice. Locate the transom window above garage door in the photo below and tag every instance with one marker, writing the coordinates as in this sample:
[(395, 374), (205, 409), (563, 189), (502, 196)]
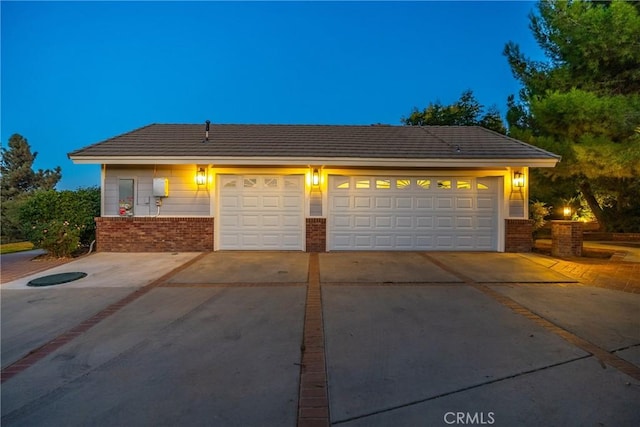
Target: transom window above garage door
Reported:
[(413, 183), (261, 182)]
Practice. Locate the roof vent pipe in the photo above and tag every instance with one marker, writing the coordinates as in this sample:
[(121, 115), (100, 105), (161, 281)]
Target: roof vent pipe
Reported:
[(206, 131)]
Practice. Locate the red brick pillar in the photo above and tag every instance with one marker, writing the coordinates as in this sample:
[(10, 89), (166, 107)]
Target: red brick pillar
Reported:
[(566, 238), (316, 235), (518, 235)]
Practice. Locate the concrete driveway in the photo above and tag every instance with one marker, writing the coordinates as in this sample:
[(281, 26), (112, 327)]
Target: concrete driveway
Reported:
[(406, 339)]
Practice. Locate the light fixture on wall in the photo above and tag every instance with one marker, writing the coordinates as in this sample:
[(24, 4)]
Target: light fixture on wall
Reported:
[(315, 178), (518, 179), (566, 211), (201, 176)]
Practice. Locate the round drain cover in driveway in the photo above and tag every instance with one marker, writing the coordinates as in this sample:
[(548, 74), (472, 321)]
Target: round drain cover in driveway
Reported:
[(56, 279)]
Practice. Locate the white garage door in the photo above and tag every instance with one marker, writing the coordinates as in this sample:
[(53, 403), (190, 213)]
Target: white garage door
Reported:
[(412, 213), (261, 212)]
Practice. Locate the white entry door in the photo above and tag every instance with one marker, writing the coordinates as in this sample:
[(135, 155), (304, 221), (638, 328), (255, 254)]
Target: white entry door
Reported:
[(413, 213), (261, 212)]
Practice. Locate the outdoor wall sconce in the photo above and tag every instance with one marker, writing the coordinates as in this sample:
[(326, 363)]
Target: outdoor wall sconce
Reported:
[(201, 177), (518, 179), (315, 178)]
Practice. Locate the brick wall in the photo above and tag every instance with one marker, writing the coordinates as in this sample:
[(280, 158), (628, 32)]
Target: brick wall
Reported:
[(518, 235), (154, 234), (566, 238), (616, 237), (316, 235)]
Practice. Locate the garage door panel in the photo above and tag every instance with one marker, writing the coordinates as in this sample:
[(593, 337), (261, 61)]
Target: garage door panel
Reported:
[(229, 220), (250, 202), (485, 222), (270, 220), (444, 242), (271, 202), (383, 202), (424, 202), (424, 242), (250, 220), (464, 222), (362, 222), (292, 202), (465, 242), (361, 241), (342, 241), (250, 240), (404, 222), (424, 222), (412, 213), (341, 221), (383, 222), (341, 202), (404, 202), (485, 242), (291, 221), (444, 203), (229, 202), (362, 202), (384, 241), (229, 239), (444, 222), (486, 203), (405, 242), (464, 203)]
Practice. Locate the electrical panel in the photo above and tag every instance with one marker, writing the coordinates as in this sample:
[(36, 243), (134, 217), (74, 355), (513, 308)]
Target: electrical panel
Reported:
[(160, 187)]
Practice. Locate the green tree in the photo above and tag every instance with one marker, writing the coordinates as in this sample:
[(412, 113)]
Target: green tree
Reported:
[(61, 221), (583, 102), (17, 181), (466, 111)]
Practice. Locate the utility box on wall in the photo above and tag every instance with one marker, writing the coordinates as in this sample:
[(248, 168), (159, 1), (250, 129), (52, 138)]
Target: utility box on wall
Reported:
[(160, 187)]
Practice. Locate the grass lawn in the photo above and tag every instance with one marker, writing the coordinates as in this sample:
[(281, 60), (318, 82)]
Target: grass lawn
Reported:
[(8, 248)]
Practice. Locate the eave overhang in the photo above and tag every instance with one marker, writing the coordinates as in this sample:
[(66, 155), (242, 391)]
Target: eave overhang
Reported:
[(328, 161)]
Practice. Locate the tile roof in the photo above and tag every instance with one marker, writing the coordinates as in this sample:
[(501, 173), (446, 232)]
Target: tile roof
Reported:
[(313, 141)]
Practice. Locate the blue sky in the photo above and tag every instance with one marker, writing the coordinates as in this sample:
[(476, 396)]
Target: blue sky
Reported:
[(75, 73)]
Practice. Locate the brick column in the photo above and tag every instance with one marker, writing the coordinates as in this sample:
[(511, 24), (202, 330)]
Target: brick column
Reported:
[(566, 238), (518, 235), (316, 234)]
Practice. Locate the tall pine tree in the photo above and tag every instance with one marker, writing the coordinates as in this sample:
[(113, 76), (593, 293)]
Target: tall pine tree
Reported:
[(17, 181), (583, 102)]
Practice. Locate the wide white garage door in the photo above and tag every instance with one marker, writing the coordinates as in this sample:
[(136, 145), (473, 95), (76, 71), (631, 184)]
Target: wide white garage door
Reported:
[(261, 212), (412, 213)]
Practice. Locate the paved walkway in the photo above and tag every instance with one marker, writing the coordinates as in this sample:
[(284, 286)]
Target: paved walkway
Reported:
[(20, 264), (621, 272)]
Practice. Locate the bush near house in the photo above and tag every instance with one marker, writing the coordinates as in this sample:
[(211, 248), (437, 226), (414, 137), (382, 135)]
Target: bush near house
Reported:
[(61, 221)]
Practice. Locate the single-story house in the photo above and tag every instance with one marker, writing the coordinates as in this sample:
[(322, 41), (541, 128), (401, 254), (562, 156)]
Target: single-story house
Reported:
[(315, 188)]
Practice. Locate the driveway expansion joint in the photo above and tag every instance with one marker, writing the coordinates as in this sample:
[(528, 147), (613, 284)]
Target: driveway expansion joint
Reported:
[(461, 390)]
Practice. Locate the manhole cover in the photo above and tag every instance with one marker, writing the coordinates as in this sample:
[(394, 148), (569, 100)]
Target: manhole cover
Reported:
[(56, 279)]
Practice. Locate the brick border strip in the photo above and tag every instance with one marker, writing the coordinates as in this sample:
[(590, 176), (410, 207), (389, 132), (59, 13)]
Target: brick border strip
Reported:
[(599, 353), (313, 397), (46, 349)]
